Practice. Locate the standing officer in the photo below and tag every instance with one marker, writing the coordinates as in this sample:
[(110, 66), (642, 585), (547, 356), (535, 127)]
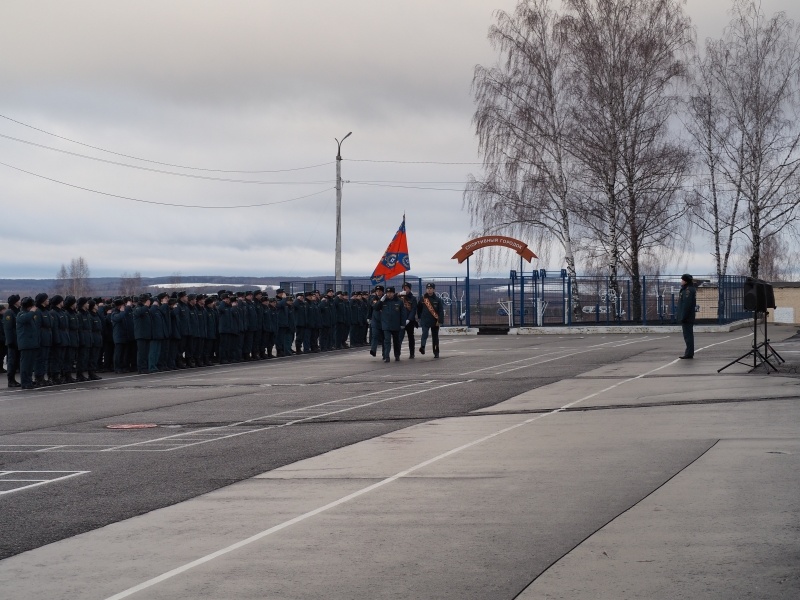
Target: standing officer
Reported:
[(73, 339), (28, 336), (376, 333), (119, 333), (283, 307), (184, 353), (270, 324), (96, 349), (410, 303), (45, 339), (687, 300), (10, 332), (159, 333), (143, 332), (429, 311), (393, 316), (225, 327), (60, 338), (84, 338)]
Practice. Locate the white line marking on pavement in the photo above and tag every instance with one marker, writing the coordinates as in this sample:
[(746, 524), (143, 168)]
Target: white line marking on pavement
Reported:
[(35, 482), (267, 532)]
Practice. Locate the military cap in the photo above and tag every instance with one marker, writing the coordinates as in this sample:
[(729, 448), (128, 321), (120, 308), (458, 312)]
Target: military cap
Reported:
[(13, 299), (69, 301), (162, 295), (406, 284), (280, 291), (81, 301), (258, 293), (56, 300), (143, 297), (431, 286), (181, 294), (223, 295), (208, 301), (173, 301), (92, 304), (221, 292), (119, 302), (378, 287), (192, 296), (174, 295), (41, 297), (390, 289), (309, 293), (27, 302), (686, 277), (300, 295), (248, 293)]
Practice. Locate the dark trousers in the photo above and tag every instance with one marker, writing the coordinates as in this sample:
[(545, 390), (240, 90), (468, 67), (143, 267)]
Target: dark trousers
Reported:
[(82, 359), (153, 354), (325, 338), (408, 332), (688, 337), (247, 344), (434, 334), (42, 362), (94, 359), (377, 336), (68, 366), (269, 341), (257, 349), (391, 338), (342, 330), (172, 355), (12, 360), (142, 355), (56, 361), (120, 349), (27, 362), (2, 353), (109, 351), (300, 332), (280, 341)]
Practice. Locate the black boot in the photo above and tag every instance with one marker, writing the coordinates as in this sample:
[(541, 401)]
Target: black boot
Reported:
[(68, 378), (80, 378), (94, 376), (13, 383)]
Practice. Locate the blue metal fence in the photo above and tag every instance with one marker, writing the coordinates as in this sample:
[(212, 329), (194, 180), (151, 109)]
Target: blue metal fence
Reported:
[(551, 298)]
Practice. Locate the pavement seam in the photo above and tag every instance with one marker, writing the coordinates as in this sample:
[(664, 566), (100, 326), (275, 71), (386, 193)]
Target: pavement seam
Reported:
[(614, 518)]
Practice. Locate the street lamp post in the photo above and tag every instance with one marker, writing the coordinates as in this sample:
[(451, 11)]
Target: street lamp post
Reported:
[(338, 268)]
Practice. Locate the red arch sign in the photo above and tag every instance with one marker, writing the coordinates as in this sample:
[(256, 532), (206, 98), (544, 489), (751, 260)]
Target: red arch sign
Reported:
[(471, 246)]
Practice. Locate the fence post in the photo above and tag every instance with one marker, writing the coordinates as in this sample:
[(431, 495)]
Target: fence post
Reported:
[(466, 283), (644, 300), (521, 294)]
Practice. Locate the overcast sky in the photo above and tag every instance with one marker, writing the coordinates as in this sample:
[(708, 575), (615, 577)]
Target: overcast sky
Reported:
[(260, 85)]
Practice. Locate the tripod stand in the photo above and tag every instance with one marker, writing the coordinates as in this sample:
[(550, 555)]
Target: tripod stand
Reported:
[(762, 352)]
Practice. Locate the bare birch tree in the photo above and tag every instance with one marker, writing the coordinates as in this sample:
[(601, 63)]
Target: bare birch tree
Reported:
[(756, 69), (78, 277), (130, 284), (62, 281), (628, 57), (520, 121)]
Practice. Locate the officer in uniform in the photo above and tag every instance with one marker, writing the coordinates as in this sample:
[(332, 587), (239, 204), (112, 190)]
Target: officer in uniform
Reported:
[(60, 338), (159, 333), (143, 333), (96, 348), (270, 324), (73, 339), (411, 323), (283, 306), (175, 333), (45, 339), (10, 332), (430, 314), (28, 336), (374, 315), (393, 316), (84, 339), (687, 300)]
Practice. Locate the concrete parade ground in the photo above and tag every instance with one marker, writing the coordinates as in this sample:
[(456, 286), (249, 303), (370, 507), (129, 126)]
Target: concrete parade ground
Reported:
[(531, 467)]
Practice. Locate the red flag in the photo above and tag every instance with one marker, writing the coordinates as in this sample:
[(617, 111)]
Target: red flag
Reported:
[(395, 259)]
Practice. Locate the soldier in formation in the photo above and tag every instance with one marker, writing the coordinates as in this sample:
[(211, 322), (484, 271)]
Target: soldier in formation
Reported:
[(57, 340)]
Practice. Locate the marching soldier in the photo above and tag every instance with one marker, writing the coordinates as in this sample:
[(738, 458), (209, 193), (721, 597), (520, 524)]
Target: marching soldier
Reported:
[(410, 303), (429, 311), (10, 332)]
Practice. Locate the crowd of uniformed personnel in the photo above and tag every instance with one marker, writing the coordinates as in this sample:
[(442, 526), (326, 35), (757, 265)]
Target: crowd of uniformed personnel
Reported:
[(57, 340)]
